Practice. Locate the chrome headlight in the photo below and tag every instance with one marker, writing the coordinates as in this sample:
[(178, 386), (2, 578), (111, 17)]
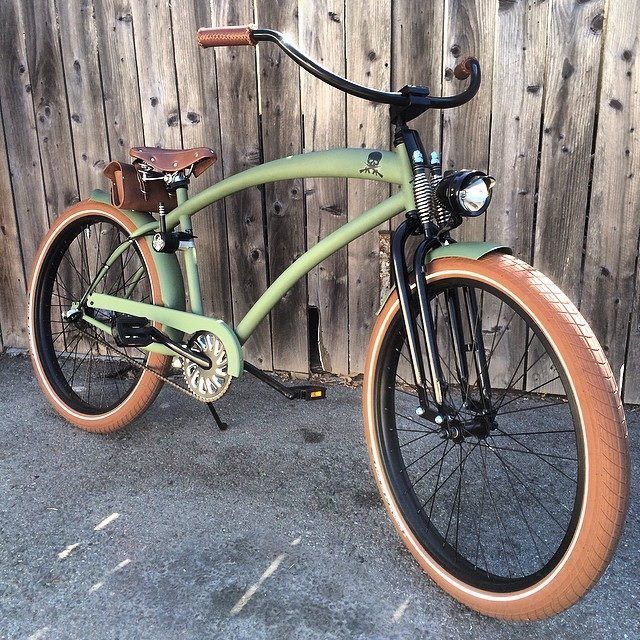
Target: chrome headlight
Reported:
[(467, 193)]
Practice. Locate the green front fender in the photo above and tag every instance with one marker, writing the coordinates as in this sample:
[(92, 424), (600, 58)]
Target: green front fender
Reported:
[(471, 250)]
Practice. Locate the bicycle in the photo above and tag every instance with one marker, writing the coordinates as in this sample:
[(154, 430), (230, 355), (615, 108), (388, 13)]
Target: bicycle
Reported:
[(494, 426)]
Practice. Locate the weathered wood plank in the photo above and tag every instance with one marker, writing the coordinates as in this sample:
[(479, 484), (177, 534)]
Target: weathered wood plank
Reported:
[(114, 26), (469, 30), (614, 223), (573, 53), (368, 29), (238, 104), (518, 88), (84, 92), (281, 137), (417, 31), (50, 105), (569, 109), (13, 300), (631, 382), (156, 73), (321, 29), (22, 144), (197, 92)]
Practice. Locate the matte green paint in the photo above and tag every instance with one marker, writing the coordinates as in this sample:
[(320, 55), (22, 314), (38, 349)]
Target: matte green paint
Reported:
[(471, 250), (190, 260), (167, 265), (394, 168), (99, 195), (307, 261), (180, 320)]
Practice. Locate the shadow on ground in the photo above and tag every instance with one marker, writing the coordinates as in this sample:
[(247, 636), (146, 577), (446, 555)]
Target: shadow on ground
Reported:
[(282, 502)]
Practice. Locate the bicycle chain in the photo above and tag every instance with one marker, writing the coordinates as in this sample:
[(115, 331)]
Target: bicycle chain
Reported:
[(140, 365)]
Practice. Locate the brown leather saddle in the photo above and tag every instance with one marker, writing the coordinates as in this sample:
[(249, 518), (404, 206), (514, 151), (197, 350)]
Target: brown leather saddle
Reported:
[(171, 160)]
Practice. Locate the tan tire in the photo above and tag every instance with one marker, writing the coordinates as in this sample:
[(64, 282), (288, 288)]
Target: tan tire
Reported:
[(602, 428), (147, 385)]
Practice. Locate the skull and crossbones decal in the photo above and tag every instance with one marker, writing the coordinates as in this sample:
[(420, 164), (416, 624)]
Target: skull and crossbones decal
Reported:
[(371, 166)]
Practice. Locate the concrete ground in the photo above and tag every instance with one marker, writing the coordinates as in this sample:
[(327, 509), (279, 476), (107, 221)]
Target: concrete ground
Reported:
[(273, 529)]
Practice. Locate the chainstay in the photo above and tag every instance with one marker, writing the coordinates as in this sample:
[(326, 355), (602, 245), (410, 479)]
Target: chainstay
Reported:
[(140, 365)]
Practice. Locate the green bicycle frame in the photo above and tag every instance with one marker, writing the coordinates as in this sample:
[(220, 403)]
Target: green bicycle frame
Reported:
[(369, 164)]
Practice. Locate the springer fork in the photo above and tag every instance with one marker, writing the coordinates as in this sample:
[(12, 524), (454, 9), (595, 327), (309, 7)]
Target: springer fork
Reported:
[(428, 220)]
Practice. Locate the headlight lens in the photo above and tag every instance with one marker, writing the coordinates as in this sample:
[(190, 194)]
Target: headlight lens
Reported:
[(467, 193)]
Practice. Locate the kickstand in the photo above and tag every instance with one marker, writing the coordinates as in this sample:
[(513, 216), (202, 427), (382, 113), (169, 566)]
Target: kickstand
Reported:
[(223, 426)]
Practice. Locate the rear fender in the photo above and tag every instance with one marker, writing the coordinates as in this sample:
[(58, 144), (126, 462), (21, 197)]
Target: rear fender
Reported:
[(167, 265)]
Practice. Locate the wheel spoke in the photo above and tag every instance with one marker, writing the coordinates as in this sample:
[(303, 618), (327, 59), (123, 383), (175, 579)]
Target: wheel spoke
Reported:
[(483, 511), (89, 370)]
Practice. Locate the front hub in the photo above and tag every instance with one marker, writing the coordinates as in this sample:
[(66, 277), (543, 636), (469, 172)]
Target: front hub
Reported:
[(457, 430)]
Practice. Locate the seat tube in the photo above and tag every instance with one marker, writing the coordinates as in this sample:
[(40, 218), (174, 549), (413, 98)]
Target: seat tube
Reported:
[(190, 259)]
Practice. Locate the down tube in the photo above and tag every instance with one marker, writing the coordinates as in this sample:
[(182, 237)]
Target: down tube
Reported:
[(367, 221)]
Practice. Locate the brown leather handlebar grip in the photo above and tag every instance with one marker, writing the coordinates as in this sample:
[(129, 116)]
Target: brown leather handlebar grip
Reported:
[(225, 37), (463, 68)]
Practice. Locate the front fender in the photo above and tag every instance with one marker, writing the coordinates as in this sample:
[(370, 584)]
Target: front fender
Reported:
[(471, 250)]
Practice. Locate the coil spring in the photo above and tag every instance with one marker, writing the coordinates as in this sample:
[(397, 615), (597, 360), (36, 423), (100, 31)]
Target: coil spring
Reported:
[(441, 215), (423, 195)]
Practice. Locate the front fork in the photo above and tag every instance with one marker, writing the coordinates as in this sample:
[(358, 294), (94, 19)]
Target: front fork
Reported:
[(435, 386)]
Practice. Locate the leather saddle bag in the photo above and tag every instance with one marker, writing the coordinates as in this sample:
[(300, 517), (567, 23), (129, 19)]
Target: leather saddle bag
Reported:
[(129, 191)]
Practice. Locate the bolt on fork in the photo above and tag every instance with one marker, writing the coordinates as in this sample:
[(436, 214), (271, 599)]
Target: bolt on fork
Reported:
[(427, 220)]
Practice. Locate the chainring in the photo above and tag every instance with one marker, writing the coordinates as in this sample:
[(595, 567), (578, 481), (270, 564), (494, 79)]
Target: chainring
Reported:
[(207, 384)]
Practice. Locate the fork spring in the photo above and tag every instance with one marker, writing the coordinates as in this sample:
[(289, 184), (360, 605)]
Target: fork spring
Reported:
[(423, 195), (441, 215)]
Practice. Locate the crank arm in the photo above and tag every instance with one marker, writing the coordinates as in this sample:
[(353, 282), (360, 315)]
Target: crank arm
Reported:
[(175, 323), (156, 337)]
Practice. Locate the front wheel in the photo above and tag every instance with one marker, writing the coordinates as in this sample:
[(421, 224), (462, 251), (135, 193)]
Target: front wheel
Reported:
[(513, 504)]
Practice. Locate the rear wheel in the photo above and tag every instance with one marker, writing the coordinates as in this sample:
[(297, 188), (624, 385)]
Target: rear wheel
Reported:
[(513, 505), (89, 380)]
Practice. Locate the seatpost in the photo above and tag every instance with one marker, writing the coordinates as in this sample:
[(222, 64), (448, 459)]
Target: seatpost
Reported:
[(190, 258)]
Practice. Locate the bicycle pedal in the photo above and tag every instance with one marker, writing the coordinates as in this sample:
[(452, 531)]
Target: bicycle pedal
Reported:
[(308, 392), (131, 331)]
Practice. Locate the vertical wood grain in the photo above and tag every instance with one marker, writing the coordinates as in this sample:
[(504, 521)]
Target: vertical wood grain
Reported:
[(416, 58), (50, 104), (199, 118), (68, 65), (21, 141), (631, 383), (614, 221), (573, 57), (238, 104), (516, 111), (116, 50), (469, 30), (282, 136), (368, 29), (12, 281), (321, 29), (84, 92), (156, 73)]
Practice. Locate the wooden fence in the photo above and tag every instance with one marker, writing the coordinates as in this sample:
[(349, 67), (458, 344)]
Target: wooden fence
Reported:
[(554, 121)]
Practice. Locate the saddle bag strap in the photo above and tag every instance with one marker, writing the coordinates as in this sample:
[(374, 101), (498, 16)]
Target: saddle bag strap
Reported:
[(129, 191)]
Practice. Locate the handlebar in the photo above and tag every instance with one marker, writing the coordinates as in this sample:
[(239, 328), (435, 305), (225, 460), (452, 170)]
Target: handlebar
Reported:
[(246, 35)]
